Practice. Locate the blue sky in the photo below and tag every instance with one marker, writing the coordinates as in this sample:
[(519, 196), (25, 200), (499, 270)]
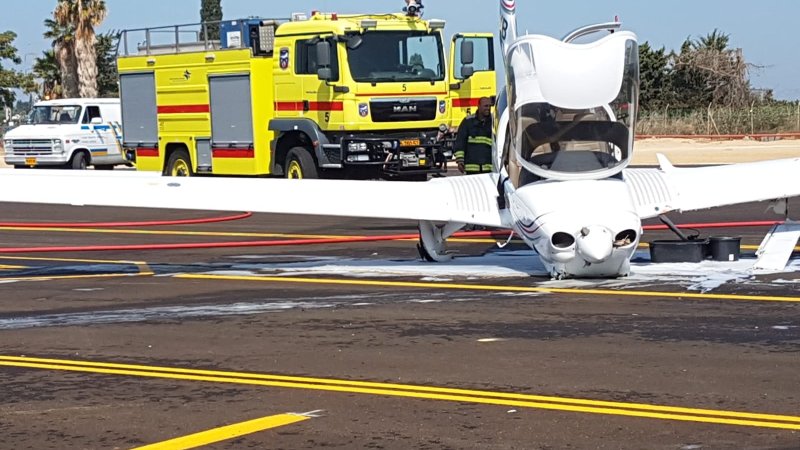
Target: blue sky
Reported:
[(764, 30)]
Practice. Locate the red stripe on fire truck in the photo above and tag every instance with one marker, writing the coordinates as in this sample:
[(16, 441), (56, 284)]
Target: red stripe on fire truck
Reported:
[(465, 102), (183, 109), (232, 153), (310, 106)]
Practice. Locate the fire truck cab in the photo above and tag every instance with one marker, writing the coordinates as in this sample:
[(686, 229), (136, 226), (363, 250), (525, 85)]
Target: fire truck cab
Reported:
[(352, 96)]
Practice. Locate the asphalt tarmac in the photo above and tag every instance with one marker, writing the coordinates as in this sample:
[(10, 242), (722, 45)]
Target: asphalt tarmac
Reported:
[(361, 345)]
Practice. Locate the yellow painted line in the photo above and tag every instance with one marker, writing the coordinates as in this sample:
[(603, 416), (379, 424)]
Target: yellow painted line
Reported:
[(225, 433), (10, 267), (496, 288), (421, 392)]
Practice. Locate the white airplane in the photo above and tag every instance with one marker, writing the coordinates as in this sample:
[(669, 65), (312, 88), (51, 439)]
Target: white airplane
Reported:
[(564, 138)]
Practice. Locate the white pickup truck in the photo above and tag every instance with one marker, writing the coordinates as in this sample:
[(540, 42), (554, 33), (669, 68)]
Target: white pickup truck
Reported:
[(72, 133)]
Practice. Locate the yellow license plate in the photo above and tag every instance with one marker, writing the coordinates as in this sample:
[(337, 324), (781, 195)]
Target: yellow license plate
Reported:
[(30, 161), (409, 142)]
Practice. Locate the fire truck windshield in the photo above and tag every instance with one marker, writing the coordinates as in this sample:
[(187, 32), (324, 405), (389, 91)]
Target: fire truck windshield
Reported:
[(386, 56)]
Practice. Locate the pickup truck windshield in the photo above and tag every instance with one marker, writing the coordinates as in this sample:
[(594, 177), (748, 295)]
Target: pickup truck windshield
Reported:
[(386, 56), (54, 114)]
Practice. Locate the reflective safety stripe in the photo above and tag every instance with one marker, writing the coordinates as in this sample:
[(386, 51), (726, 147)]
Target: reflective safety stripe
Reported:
[(480, 140), (459, 154), (477, 167)]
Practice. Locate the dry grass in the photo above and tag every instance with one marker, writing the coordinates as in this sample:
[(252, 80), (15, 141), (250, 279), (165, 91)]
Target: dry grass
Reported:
[(756, 120)]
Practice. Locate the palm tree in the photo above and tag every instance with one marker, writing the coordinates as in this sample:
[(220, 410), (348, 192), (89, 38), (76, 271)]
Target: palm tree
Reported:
[(83, 15), (63, 37), (715, 41), (47, 69)]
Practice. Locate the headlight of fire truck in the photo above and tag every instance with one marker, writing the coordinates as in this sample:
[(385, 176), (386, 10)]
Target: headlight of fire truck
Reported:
[(354, 147), (58, 146), (7, 143)]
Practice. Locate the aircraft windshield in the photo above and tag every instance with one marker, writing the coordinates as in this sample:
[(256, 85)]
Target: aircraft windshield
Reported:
[(53, 114), (568, 143), (384, 56)]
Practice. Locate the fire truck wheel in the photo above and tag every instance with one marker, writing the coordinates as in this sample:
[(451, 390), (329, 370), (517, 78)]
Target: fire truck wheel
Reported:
[(300, 164), (179, 164), (78, 161)]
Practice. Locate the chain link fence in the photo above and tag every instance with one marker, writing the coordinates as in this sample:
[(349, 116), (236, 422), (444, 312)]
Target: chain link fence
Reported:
[(758, 119)]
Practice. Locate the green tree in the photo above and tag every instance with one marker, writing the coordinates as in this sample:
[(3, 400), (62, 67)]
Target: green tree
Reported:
[(10, 78), (211, 11), (106, 49), (654, 72), (83, 16), (689, 84)]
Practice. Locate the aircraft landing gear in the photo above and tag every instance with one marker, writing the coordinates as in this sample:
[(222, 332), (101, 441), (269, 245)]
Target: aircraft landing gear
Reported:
[(433, 239)]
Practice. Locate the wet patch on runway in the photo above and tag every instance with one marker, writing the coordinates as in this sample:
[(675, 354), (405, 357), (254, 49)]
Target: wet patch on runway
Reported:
[(190, 310), (58, 270), (160, 313)]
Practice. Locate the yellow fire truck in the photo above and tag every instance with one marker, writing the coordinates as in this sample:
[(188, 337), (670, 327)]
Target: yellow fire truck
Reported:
[(352, 96)]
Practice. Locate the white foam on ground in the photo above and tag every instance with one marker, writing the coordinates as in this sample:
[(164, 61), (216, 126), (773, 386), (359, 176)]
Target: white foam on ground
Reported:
[(703, 276)]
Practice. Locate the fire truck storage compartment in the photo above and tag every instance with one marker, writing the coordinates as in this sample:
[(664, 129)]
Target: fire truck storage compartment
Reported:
[(139, 112), (231, 111), (203, 147)]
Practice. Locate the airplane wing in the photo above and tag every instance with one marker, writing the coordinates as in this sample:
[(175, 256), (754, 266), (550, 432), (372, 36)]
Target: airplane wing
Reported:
[(466, 199), (658, 191)]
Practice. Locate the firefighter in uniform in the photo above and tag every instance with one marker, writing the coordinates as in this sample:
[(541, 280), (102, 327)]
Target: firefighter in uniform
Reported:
[(473, 146)]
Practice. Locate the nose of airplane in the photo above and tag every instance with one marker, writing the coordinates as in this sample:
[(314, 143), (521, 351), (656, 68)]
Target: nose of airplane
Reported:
[(595, 243)]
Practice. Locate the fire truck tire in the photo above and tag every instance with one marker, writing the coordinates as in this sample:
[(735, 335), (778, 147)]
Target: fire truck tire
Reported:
[(300, 164), (78, 161), (179, 164)]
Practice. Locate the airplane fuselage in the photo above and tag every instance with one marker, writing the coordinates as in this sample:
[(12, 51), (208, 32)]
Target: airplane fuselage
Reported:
[(583, 228)]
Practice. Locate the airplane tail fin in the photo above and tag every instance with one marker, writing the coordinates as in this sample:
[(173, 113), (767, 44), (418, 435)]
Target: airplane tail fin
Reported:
[(508, 24)]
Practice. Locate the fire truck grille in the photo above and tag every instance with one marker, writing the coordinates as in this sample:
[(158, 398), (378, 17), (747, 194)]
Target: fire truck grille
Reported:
[(31, 147), (403, 110)]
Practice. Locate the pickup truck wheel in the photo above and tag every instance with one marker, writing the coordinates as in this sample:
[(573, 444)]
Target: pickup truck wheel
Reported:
[(78, 161), (300, 164), (179, 165)]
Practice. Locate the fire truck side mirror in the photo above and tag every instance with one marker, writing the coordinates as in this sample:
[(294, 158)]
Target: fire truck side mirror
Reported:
[(323, 54), (467, 58), (467, 52)]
